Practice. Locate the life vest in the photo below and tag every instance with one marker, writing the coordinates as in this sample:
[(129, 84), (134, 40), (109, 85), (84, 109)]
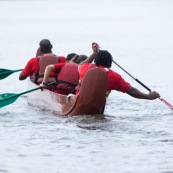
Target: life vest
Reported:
[(68, 77), (44, 61), (105, 69)]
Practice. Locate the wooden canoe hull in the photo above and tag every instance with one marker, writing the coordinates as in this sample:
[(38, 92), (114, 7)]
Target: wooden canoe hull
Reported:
[(90, 101)]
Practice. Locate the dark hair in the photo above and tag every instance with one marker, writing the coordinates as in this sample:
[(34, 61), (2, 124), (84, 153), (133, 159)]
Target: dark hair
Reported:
[(80, 59), (103, 58), (70, 56), (46, 46)]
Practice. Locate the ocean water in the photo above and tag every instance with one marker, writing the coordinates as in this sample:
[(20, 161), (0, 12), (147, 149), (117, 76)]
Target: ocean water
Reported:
[(134, 136)]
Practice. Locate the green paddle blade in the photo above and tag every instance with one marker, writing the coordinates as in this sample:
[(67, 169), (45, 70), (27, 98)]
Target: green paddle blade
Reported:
[(8, 98), (6, 72)]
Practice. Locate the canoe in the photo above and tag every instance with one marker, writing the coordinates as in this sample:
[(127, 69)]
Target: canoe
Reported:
[(90, 101)]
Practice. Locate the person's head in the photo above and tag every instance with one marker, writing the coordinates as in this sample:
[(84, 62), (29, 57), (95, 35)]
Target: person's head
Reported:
[(46, 46), (70, 56), (80, 59), (103, 58)]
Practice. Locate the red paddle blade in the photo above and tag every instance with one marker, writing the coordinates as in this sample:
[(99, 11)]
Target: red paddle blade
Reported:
[(168, 104)]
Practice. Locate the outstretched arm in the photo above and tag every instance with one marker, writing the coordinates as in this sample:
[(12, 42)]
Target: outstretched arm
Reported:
[(138, 94)]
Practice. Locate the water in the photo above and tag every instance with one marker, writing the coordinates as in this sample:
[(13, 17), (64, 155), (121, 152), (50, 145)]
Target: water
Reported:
[(134, 135)]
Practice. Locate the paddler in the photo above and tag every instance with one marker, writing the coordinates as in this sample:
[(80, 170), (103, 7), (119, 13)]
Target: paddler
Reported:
[(36, 66), (103, 60)]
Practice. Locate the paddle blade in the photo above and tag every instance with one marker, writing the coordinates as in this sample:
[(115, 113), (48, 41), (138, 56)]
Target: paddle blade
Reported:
[(7, 98), (5, 72)]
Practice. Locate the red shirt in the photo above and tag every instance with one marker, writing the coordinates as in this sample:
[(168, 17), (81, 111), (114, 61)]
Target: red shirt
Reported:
[(33, 65), (62, 59), (115, 81)]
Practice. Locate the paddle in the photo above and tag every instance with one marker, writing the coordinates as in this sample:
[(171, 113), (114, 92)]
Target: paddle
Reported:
[(5, 72), (8, 98), (168, 104)]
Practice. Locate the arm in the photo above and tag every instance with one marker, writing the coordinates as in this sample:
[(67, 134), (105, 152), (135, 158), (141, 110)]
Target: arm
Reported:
[(90, 59), (50, 68), (138, 94), (30, 68), (47, 72)]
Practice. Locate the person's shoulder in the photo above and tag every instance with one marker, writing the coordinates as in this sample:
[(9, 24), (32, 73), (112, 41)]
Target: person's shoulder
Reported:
[(84, 65), (62, 59), (34, 59), (113, 73)]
